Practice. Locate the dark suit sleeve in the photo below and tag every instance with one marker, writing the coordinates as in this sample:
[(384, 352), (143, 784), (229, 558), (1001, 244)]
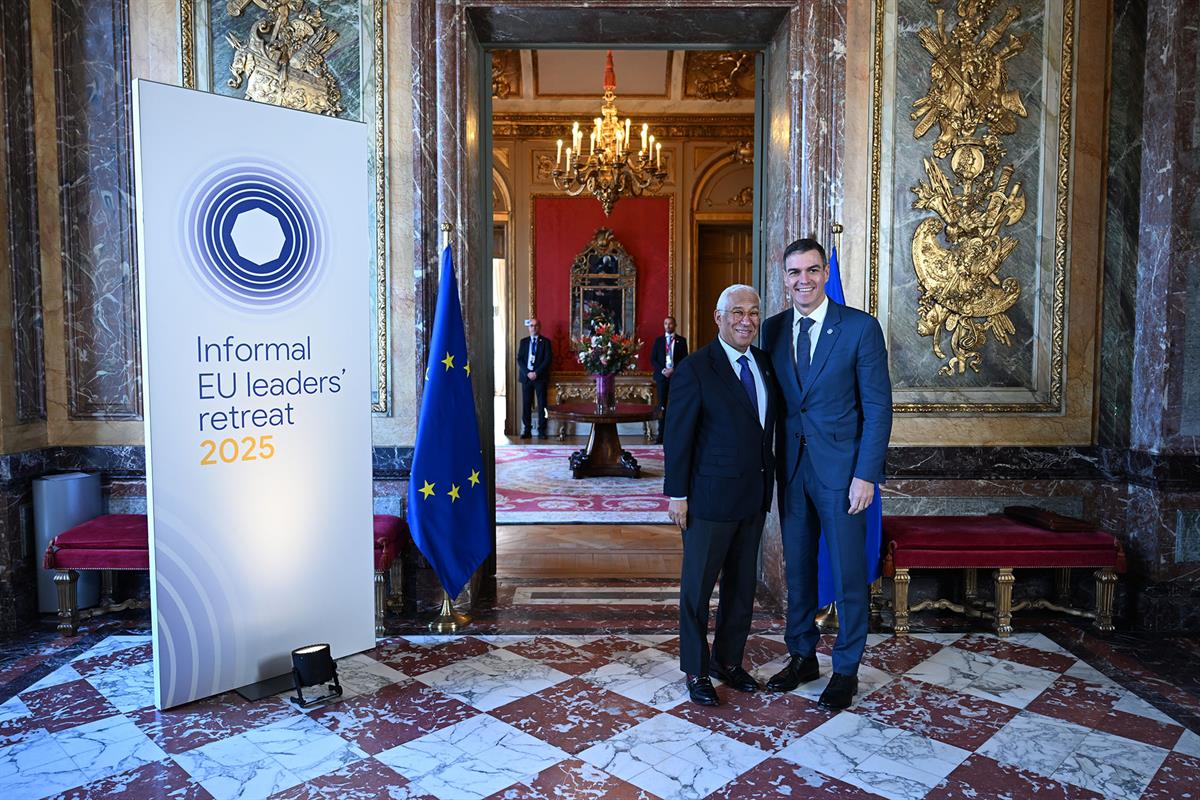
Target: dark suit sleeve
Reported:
[(875, 395), (683, 422), (523, 360), (658, 355), (545, 355)]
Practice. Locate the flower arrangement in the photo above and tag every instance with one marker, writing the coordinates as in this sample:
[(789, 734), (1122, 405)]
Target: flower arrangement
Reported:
[(604, 351)]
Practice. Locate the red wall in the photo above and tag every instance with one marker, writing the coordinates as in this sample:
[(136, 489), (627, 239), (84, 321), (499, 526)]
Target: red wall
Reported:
[(563, 226)]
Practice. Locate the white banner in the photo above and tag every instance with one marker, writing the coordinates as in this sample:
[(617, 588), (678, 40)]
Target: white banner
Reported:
[(253, 255)]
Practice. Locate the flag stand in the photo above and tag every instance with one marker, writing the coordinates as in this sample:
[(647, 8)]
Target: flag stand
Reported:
[(827, 619), (449, 620)]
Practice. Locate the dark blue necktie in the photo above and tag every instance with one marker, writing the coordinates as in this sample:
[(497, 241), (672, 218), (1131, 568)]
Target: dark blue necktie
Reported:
[(748, 383), (803, 350), (533, 346)]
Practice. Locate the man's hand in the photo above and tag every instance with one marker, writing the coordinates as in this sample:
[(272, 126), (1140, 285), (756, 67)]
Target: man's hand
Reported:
[(668, 371), (861, 494), (531, 375), (677, 511)]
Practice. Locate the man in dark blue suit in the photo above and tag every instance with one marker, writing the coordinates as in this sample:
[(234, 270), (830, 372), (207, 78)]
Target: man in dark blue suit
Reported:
[(533, 365), (668, 350), (719, 474), (831, 445)]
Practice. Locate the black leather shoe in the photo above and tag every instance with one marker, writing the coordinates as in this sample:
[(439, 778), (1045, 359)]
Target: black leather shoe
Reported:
[(799, 669), (701, 690), (543, 435), (526, 435), (839, 692), (734, 677)]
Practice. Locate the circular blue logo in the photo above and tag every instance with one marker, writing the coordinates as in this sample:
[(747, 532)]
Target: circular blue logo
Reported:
[(254, 236)]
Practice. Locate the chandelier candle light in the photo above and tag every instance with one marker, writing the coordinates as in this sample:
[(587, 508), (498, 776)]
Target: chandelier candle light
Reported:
[(610, 168)]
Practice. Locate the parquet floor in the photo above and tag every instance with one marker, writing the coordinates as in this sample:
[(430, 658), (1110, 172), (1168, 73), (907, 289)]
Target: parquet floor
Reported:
[(591, 551)]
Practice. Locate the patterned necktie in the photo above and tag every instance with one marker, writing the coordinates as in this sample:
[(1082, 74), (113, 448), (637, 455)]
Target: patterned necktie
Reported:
[(803, 350), (670, 359), (748, 383)]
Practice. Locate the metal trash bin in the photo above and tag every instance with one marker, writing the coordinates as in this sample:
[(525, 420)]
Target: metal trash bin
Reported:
[(61, 502)]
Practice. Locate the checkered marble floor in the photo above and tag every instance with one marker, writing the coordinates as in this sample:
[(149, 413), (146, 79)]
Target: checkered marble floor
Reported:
[(547, 716)]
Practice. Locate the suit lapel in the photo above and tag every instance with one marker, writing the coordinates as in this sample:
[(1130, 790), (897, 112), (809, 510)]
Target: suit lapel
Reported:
[(721, 366), (781, 349), (825, 342)]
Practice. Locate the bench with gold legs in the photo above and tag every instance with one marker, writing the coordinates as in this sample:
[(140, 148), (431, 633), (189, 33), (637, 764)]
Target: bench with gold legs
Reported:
[(1001, 544)]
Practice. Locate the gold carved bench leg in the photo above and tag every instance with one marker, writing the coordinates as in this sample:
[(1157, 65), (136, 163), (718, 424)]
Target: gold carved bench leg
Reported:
[(66, 580), (395, 576), (970, 586), (1062, 591), (1004, 586), (900, 587), (876, 600), (1106, 590), (107, 600), (380, 601)]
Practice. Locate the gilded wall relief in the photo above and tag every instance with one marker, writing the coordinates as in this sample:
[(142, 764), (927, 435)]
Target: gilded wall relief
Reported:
[(971, 104), (309, 55), (506, 74), (719, 75), (971, 135)]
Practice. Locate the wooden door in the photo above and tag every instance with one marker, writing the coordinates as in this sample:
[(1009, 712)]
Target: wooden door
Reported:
[(724, 256)]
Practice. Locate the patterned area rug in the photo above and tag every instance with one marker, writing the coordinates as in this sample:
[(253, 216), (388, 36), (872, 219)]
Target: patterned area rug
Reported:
[(534, 485)]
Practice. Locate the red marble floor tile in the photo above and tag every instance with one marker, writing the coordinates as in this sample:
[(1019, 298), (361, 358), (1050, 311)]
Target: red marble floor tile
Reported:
[(611, 646), (1177, 779), (778, 778), (899, 654), (412, 659), (561, 656), (761, 651), (573, 780), (670, 646), (574, 714), (158, 779), (958, 719), (178, 730), (129, 657), (392, 715), (1075, 700), (66, 705), (767, 720), (985, 779), (1139, 728), (17, 667), (366, 779), (1013, 651)]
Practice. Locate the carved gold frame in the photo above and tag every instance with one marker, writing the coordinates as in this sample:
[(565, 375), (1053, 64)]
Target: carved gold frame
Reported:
[(187, 51), (532, 274), (1061, 220)]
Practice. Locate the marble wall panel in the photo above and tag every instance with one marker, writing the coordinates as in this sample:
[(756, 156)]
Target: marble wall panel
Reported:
[(1121, 221), (99, 274), (20, 187)]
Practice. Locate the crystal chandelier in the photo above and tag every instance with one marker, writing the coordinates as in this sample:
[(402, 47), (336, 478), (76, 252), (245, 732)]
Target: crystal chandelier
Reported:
[(611, 168)]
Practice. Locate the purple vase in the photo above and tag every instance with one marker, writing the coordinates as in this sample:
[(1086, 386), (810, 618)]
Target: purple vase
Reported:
[(606, 386)]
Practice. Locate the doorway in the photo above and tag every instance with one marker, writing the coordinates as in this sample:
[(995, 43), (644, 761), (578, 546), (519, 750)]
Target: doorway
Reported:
[(724, 256)]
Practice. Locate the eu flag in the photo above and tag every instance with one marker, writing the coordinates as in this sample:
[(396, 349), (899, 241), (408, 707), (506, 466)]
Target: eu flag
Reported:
[(874, 512), (447, 499)]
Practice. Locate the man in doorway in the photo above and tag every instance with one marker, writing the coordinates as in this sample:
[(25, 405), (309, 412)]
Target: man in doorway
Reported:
[(831, 447), (719, 475), (669, 349), (533, 363)]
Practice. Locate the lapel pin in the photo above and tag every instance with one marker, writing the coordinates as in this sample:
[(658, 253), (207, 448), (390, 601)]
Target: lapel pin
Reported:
[(829, 331)]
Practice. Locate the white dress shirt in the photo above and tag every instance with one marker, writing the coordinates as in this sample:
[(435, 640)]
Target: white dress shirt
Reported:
[(818, 318), (759, 386), (670, 351)]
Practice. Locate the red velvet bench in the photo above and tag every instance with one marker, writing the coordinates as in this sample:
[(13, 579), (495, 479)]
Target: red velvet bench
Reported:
[(121, 542), (1002, 544)]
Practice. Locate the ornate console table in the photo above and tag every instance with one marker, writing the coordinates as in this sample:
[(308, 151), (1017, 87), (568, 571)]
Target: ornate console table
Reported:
[(631, 388)]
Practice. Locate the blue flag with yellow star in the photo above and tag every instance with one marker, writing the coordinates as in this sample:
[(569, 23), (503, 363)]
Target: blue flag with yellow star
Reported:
[(447, 499), (826, 593)]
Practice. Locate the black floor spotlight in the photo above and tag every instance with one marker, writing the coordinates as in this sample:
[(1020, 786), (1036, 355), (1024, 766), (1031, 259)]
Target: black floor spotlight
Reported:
[(312, 665)]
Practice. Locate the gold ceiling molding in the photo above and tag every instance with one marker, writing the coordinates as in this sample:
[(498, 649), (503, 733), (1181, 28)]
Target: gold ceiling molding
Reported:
[(506, 74), (968, 91), (189, 56), (677, 126), (718, 75)]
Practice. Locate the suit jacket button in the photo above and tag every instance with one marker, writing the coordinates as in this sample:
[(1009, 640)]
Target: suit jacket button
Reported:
[(803, 409), (797, 436)]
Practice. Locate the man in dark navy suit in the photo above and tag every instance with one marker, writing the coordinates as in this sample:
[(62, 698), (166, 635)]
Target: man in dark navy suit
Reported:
[(669, 349), (719, 474), (831, 362), (533, 365)]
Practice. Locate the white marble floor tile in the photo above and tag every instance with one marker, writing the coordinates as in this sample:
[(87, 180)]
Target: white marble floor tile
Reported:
[(662, 692), (624, 758), (1114, 766), (896, 780), (680, 779), (651, 639), (508, 677), (12, 708), (30, 753), (38, 769), (506, 639), (922, 753), (1130, 703), (469, 778), (304, 747), (108, 746), (1086, 672), (1034, 742), (939, 638), (839, 745), (421, 756), (1189, 744), (722, 753), (1011, 683), (1039, 641), (236, 769), (64, 674), (953, 668), (361, 674), (666, 732), (127, 688), (113, 644), (574, 641)]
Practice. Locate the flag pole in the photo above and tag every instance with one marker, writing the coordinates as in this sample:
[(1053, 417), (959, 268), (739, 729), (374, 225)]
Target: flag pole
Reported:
[(827, 616), (448, 620)]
